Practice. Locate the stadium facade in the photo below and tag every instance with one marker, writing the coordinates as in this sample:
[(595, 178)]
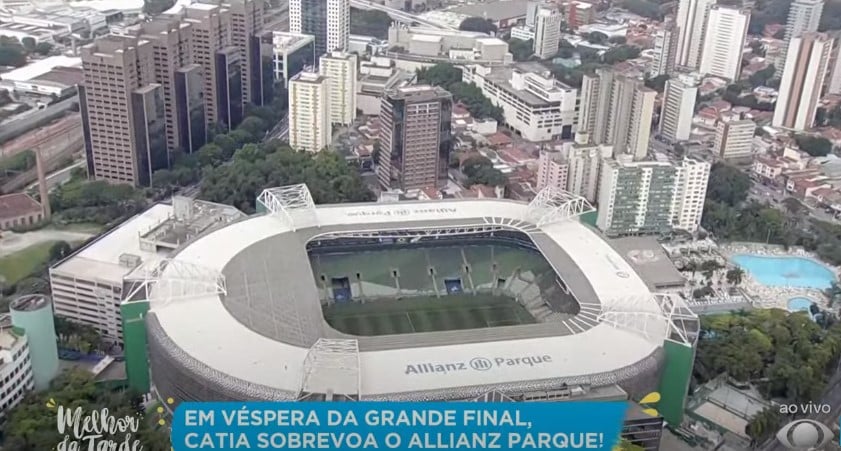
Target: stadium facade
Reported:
[(237, 314)]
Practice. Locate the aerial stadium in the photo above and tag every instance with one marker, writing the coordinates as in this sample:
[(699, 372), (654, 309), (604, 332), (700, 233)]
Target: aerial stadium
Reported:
[(420, 300)]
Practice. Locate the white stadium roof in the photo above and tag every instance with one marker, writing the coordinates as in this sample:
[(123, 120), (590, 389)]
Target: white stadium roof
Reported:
[(631, 327)]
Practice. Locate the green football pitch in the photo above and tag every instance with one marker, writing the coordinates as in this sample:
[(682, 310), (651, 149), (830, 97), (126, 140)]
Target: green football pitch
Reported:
[(426, 314)]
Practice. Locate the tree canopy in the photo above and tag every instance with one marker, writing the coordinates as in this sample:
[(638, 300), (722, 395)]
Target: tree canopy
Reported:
[(644, 8), (620, 53), (815, 146), (155, 7), (521, 50), (479, 24), (370, 22), (787, 355), (760, 78), (12, 52), (32, 427), (449, 77), (480, 171), (657, 83), (728, 185), (258, 166)]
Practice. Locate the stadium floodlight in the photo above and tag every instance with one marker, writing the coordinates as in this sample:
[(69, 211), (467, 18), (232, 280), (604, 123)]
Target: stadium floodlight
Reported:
[(162, 281), (553, 205), (285, 201), (332, 366), (659, 317)]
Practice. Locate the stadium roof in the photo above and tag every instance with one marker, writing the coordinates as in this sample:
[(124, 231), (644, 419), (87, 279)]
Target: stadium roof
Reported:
[(266, 267)]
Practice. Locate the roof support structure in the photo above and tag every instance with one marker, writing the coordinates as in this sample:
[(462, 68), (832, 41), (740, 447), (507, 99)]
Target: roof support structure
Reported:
[(552, 205), (332, 365), (284, 201), (663, 316), (168, 280)]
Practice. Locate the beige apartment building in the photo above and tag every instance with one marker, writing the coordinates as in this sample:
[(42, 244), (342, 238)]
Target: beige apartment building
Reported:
[(246, 25), (123, 111), (171, 42), (415, 137), (211, 26)]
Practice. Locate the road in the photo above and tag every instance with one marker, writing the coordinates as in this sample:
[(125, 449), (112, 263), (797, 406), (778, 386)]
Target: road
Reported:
[(401, 16), (59, 177), (773, 195)]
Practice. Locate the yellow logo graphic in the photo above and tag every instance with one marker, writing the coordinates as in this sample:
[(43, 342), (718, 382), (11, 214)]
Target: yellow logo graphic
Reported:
[(651, 398)]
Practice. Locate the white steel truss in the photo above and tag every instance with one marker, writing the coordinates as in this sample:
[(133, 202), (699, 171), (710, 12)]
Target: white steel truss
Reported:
[(332, 366), (658, 317), (168, 280), (553, 205), (283, 201)]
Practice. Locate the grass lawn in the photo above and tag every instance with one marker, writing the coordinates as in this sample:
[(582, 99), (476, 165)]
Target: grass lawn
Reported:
[(20, 264), (426, 314)]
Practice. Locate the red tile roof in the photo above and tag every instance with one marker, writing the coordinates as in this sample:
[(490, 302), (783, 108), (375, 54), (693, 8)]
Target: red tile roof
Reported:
[(17, 204)]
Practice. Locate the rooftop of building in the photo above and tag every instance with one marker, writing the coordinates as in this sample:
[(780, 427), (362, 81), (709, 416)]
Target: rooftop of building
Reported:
[(41, 67), (308, 77), (67, 76), (145, 239), (495, 10), (419, 92), (284, 40), (650, 260), (502, 77), (17, 204)]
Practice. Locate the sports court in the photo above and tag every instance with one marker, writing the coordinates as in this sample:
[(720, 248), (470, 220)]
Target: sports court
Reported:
[(426, 314)]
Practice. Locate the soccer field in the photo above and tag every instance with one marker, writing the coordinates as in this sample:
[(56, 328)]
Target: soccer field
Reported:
[(426, 314)]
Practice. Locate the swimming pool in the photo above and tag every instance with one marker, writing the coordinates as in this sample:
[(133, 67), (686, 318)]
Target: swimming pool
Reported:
[(786, 271), (799, 304)]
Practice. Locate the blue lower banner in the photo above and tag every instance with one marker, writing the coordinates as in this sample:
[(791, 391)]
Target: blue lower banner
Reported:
[(397, 425)]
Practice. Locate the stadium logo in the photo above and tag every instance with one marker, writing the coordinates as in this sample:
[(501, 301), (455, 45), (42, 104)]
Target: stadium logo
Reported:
[(476, 364), (481, 364)]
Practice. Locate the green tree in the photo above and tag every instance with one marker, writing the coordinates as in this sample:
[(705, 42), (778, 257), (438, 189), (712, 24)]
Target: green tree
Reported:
[(14, 56), (59, 250), (480, 171), (31, 427), (815, 146), (657, 83), (728, 184), (155, 7), (734, 276), (620, 53), (619, 40), (643, 8), (44, 48), (760, 78), (764, 425), (596, 37), (521, 50), (29, 44), (370, 23), (477, 24)]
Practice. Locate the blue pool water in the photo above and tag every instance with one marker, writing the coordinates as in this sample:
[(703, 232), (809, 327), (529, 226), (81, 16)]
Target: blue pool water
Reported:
[(799, 304), (786, 271)]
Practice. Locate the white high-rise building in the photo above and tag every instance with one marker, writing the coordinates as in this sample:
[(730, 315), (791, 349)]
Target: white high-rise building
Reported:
[(573, 167), (691, 23), (547, 32), (734, 139), (338, 24), (807, 62), (651, 196), (310, 128), (690, 191), (678, 108), (617, 110), (327, 21), (724, 42), (804, 16), (665, 50), (340, 70)]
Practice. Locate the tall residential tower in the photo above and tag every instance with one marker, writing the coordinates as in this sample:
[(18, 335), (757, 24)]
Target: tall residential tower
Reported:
[(807, 62), (415, 137)]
